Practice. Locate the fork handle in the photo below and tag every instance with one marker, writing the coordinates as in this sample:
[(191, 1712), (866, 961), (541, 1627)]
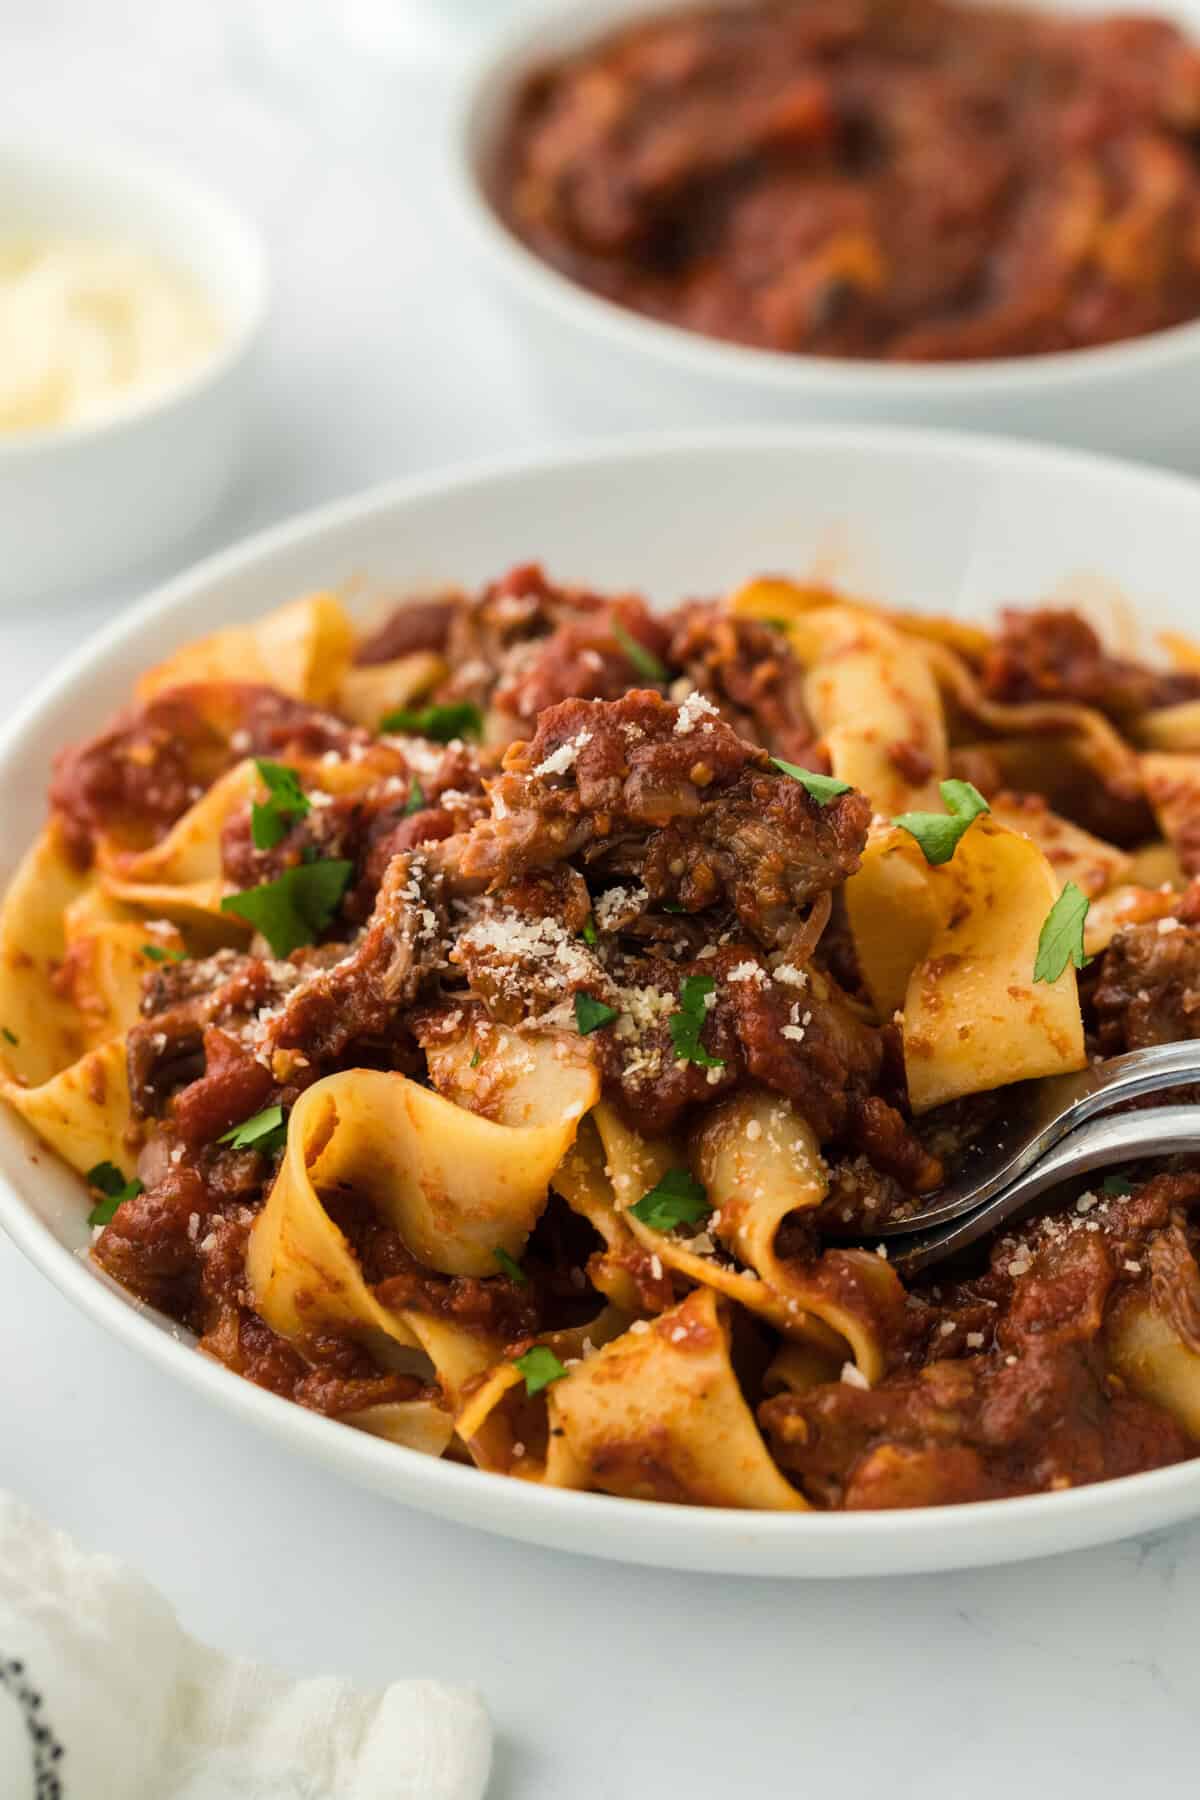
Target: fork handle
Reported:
[(1098, 1145)]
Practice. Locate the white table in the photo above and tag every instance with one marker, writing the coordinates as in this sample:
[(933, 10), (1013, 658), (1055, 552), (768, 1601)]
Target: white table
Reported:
[(1075, 1677)]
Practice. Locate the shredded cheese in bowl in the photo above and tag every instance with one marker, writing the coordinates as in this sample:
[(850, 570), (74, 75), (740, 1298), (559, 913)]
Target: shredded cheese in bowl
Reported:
[(88, 329)]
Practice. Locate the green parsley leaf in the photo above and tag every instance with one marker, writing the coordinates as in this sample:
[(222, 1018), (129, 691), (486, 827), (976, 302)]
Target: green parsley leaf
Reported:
[(272, 818), (643, 660), (108, 1180), (294, 908), (266, 1131), (511, 1267), (1117, 1186), (1061, 939), (457, 719), (678, 1199), (540, 1367), (590, 1014), (163, 953), (686, 1025), (416, 799), (476, 1059), (10, 1037), (938, 833), (590, 934), (823, 788)]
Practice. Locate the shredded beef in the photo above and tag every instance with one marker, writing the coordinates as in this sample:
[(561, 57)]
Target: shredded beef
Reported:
[(750, 673), (365, 994), (672, 795), (582, 658), (1148, 990), (166, 1050), (1056, 655), (1034, 1410), (414, 625), (135, 779), (147, 1246)]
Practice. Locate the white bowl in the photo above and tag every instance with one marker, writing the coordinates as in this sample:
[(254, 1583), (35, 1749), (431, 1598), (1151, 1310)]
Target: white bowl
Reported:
[(924, 519), (83, 503), (617, 369)]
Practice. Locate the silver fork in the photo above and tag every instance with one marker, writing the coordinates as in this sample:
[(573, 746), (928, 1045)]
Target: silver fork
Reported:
[(1051, 1131)]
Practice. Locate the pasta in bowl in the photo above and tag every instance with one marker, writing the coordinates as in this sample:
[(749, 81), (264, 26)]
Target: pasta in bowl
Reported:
[(498, 1030)]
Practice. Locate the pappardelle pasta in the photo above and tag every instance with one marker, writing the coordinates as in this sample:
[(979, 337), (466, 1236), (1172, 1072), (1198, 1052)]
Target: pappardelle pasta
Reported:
[(501, 1031)]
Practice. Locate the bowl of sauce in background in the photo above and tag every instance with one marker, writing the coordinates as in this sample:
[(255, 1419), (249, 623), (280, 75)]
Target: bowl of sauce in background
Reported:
[(931, 210)]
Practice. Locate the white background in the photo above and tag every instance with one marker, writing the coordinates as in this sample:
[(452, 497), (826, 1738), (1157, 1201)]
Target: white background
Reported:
[(1076, 1677)]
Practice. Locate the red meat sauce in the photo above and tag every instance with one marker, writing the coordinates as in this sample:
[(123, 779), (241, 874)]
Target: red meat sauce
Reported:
[(926, 181)]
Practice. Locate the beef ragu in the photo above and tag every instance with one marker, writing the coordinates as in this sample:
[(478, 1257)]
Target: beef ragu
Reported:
[(466, 1040), (917, 181)]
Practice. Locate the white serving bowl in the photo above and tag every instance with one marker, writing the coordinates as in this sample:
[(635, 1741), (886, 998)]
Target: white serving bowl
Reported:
[(84, 502), (616, 369), (922, 519)]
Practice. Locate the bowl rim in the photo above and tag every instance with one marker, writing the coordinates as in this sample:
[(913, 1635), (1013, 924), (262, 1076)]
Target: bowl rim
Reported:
[(706, 1539), (123, 163), (484, 88)]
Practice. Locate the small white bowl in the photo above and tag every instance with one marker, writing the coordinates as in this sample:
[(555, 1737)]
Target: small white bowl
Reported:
[(84, 502), (615, 368)]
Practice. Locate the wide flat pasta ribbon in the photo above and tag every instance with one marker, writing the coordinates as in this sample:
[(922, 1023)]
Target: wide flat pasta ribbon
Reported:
[(875, 704), (83, 1112), (303, 649), (1173, 789), (658, 1414), (1073, 853), (368, 693), (457, 1187), (43, 1032), (848, 1301), (974, 1019), (182, 876)]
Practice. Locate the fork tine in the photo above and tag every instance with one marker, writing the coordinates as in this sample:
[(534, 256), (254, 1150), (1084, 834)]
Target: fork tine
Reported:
[(1096, 1145), (1041, 1113)]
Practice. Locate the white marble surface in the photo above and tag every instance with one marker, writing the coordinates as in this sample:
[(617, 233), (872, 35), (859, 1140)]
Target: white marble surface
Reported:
[(1074, 1677)]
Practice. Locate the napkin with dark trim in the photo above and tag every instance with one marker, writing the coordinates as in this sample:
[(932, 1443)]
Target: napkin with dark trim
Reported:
[(102, 1692)]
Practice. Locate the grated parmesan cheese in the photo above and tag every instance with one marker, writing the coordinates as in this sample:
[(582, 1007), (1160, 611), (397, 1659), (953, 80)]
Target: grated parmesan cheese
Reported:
[(692, 711), (560, 760)]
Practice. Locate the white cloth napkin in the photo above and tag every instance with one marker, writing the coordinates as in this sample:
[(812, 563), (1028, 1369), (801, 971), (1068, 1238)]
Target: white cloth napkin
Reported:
[(103, 1694)]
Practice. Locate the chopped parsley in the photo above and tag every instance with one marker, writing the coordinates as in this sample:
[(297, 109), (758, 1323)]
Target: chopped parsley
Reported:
[(296, 907), (416, 799), (540, 1367), (476, 1057), (1117, 1187), (686, 1024), (10, 1037), (643, 660), (105, 1178), (271, 819), (590, 1014), (511, 1267), (1061, 939), (457, 719), (266, 1131), (163, 953), (678, 1199), (590, 934), (939, 833), (823, 788)]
